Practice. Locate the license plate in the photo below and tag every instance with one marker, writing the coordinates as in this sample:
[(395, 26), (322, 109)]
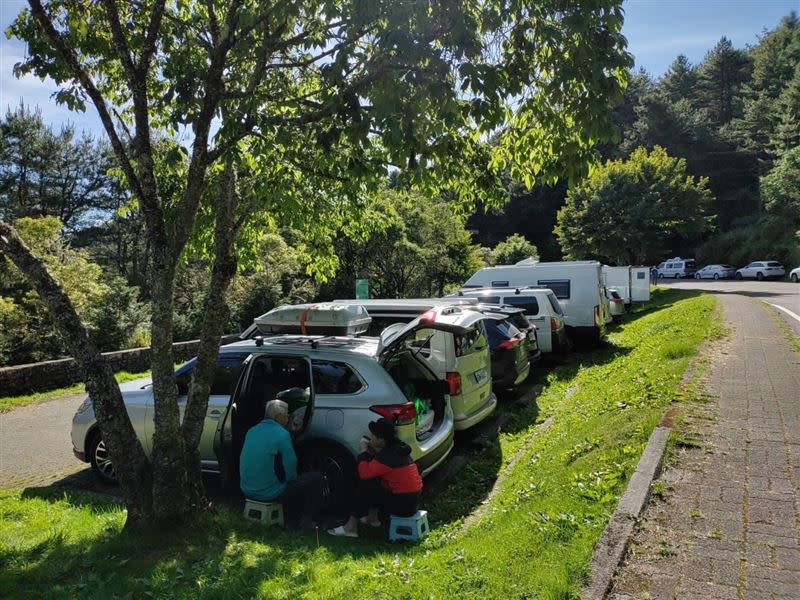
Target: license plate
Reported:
[(480, 376)]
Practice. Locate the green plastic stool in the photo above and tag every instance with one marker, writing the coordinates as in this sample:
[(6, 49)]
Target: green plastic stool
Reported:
[(413, 528)]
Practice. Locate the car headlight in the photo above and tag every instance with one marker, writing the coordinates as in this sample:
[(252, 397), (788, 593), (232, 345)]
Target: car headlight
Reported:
[(85, 406)]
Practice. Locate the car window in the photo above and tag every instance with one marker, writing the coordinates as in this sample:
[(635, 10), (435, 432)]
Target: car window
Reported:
[(557, 306), (640, 275), (335, 378), (689, 264), (226, 374), (560, 287), (497, 331), (491, 299), (772, 263), (527, 303), (472, 341), (500, 284)]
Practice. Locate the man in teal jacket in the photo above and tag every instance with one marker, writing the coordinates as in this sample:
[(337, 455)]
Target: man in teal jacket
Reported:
[(268, 468)]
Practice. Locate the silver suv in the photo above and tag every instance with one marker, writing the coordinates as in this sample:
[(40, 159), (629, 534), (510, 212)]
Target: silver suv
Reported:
[(334, 386)]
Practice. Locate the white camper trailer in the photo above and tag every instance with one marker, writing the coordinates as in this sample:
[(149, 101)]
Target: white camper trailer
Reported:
[(640, 284), (619, 278), (578, 285)]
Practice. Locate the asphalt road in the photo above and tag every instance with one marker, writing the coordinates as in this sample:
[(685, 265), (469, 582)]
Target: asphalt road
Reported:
[(782, 294)]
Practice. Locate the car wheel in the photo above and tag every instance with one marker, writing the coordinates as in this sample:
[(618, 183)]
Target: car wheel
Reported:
[(794, 278), (100, 460), (716, 275), (697, 276), (759, 276), (661, 276), (677, 276), (738, 276), (338, 467)]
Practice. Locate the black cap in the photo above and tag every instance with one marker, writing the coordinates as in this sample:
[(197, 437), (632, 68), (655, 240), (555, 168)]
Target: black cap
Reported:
[(383, 428)]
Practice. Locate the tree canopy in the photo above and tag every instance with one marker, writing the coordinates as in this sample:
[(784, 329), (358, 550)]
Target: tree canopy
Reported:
[(635, 211)]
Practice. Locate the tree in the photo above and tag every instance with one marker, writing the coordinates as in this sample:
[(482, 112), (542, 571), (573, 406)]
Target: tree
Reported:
[(416, 247), (48, 173), (720, 78), (635, 211), (780, 188), (317, 97), (679, 82), (512, 250)]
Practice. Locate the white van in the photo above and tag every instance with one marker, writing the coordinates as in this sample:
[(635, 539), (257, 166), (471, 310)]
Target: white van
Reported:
[(578, 285), (541, 307), (675, 268), (619, 278), (462, 361), (640, 284)]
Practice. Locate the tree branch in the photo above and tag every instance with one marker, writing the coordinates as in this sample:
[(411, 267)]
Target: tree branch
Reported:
[(151, 37), (119, 40), (80, 73)]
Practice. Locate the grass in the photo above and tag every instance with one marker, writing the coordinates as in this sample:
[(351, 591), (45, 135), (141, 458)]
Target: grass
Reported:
[(9, 402), (534, 539)]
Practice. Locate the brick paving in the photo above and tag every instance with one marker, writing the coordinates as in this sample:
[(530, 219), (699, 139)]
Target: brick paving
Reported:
[(725, 521)]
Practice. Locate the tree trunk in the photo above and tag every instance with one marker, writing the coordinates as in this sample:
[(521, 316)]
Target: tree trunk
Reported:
[(215, 317), (130, 462), (170, 492)]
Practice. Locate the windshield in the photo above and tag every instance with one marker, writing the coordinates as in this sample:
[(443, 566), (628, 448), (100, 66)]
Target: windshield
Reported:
[(472, 341)]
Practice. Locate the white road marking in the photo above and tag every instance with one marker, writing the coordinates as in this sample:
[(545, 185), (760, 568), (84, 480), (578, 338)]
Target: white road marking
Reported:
[(795, 316)]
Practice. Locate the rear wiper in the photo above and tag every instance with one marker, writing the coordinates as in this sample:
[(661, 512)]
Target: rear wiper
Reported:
[(427, 339)]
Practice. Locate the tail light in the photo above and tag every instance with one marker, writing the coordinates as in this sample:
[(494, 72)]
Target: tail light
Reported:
[(553, 324), (428, 317), (400, 414), (506, 344), (453, 383)]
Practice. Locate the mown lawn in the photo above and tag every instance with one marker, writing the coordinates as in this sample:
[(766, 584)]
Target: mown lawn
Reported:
[(9, 402), (534, 539)]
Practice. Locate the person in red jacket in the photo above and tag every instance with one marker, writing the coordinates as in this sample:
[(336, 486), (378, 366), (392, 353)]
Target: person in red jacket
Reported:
[(389, 484)]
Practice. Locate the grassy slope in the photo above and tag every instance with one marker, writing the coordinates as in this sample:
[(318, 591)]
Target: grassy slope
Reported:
[(9, 402), (534, 542)]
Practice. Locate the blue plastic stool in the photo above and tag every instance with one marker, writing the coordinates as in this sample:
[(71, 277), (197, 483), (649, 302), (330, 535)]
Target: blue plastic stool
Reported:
[(413, 528)]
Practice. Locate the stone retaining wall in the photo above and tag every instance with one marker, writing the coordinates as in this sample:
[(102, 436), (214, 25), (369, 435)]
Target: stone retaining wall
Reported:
[(54, 374)]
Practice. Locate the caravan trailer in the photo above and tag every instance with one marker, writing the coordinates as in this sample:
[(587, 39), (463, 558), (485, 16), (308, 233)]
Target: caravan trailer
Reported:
[(619, 278), (640, 284), (578, 285)]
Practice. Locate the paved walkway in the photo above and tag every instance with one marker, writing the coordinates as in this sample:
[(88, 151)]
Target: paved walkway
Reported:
[(728, 524), (35, 447)]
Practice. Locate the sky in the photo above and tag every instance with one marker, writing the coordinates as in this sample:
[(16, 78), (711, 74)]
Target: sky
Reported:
[(657, 31)]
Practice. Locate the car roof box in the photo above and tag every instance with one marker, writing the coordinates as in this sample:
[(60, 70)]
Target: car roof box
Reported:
[(315, 319)]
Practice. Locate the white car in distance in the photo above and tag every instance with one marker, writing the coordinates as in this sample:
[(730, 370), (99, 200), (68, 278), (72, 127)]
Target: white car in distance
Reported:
[(716, 272), (795, 275), (761, 269)]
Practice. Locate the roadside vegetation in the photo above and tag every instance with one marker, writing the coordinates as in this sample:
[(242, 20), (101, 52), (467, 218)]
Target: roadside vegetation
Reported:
[(9, 402), (532, 538)]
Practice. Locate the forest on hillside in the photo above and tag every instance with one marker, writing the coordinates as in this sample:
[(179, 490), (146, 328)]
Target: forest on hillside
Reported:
[(723, 136)]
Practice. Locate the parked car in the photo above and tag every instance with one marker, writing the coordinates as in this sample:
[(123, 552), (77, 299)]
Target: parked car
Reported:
[(795, 275), (462, 360), (541, 307), (616, 303), (716, 272), (761, 269), (676, 268), (516, 316), (578, 285), (510, 364), (335, 386)]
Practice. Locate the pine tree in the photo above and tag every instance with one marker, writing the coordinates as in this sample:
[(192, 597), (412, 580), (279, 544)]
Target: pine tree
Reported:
[(721, 76), (680, 79)]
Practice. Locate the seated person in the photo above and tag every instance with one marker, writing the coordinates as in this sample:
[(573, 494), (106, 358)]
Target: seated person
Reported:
[(389, 484), (268, 468)]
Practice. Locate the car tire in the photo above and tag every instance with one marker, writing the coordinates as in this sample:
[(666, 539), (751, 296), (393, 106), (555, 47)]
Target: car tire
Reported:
[(794, 278), (697, 276), (338, 467), (98, 457), (716, 276), (760, 276), (661, 276), (677, 276), (738, 276)]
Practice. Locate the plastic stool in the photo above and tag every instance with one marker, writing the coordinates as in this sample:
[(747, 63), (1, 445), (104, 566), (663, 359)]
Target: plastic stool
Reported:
[(413, 528), (266, 513)]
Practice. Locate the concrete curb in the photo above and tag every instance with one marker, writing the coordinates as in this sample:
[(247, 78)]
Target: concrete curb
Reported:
[(610, 549)]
